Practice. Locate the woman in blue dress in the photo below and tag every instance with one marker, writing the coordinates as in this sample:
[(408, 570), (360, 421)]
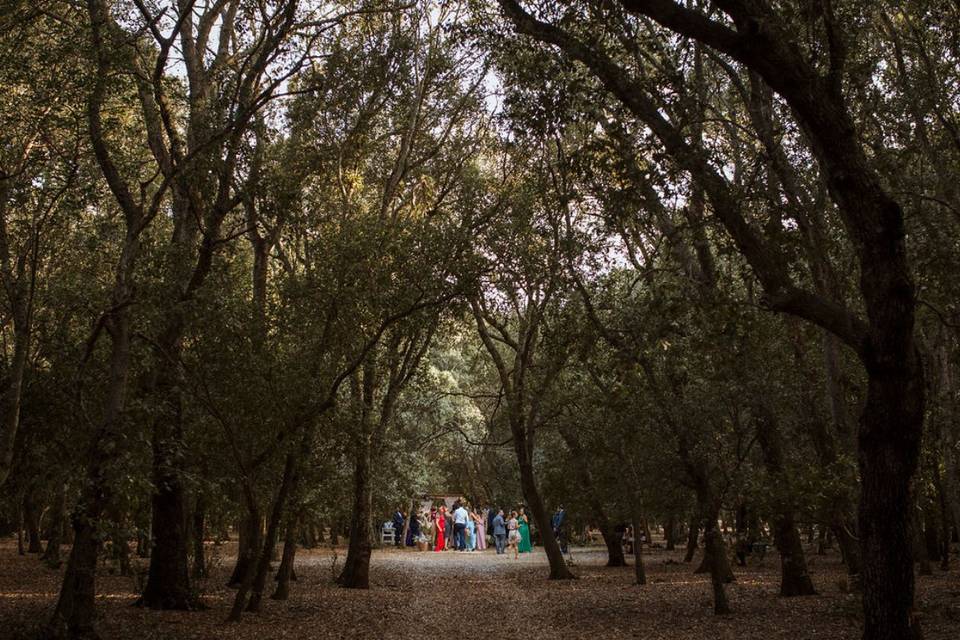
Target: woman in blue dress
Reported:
[(413, 531), (471, 534)]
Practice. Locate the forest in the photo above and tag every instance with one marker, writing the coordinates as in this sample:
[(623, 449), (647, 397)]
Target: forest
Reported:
[(274, 269)]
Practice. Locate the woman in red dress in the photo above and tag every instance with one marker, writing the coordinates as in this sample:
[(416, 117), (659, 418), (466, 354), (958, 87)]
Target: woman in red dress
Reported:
[(441, 524)]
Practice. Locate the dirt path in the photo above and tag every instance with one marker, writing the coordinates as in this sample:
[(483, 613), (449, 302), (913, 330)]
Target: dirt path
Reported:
[(480, 596)]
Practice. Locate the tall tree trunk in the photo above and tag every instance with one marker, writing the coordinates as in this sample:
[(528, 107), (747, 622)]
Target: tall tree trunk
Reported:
[(715, 560), (693, 532), (31, 518), (255, 581), (168, 579), (286, 573), (615, 557), (10, 399), (715, 551), (249, 541), (356, 568), (638, 568), (794, 577), (531, 494), (52, 554), (670, 532), (721, 564), (74, 613), (889, 442)]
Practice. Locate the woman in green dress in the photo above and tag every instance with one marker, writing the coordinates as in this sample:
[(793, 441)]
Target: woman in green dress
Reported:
[(525, 546)]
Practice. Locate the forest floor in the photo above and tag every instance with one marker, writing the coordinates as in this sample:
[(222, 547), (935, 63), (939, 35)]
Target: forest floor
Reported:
[(482, 595)]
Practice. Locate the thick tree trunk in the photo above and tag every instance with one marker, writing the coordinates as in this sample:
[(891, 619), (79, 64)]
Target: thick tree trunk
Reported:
[(638, 568), (121, 553), (794, 577), (615, 556), (670, 532), (889, 441), (74, 613), (31, 518), (693, 532), (168, 580), (531, 494), (722, 564), (356, 568), (52, 554), (715, 552), (715, 560), (286, 573), (10, 399), (249, 541)]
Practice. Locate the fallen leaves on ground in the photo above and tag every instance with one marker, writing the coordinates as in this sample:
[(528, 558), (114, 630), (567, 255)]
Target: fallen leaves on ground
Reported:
[(481, 595)]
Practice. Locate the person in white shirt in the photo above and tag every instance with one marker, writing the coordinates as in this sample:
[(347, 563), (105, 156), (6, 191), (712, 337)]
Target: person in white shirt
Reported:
[(460, 516)]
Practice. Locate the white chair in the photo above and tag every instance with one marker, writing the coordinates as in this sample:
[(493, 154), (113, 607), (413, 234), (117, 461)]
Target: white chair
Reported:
[(387, 533)]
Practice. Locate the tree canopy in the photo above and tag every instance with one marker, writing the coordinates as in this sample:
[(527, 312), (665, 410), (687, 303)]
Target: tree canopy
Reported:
[(283, 265)]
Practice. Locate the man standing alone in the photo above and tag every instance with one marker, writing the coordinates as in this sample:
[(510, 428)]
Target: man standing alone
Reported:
[(459, 526), (560, 519), (499, 528), (398, 521)]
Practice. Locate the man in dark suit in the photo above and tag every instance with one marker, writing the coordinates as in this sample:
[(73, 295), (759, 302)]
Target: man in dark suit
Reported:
[(560, 519), (499, 529), (398, 521)]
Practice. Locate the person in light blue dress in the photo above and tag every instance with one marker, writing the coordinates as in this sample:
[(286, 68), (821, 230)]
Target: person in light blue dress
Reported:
[(471, 534)]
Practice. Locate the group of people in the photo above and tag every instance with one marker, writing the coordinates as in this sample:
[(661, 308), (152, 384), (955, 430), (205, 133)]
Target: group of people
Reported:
[(459, 529), (463, 528), (512, 532)]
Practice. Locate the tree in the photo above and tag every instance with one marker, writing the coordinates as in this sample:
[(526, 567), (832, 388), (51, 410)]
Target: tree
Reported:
[(763, 41), (515, 300)]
